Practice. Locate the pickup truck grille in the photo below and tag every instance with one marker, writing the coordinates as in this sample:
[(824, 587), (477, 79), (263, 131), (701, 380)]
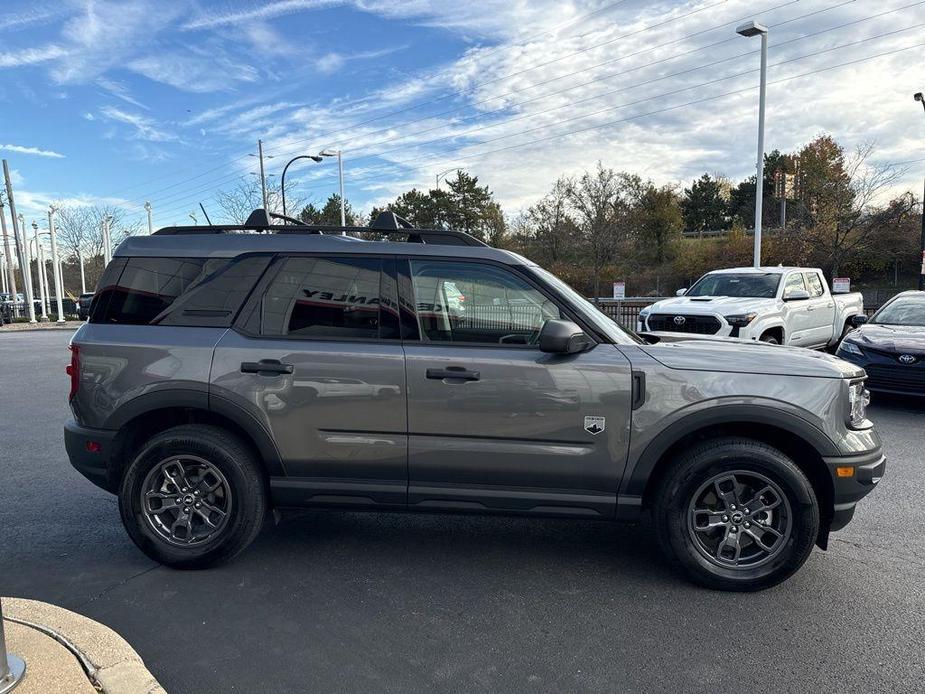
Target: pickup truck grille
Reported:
[(902, 379), (701, 325)]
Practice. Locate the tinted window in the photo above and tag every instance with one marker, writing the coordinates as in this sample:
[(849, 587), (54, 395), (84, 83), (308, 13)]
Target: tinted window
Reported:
[(763, 286), (146, 287), (323, 298), (814, 284), (215, 300), (794, 283), (477, 303), (906, 310)]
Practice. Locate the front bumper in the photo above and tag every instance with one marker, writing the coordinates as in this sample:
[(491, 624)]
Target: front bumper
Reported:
[(868, 469), (885, 374), (86, 459)]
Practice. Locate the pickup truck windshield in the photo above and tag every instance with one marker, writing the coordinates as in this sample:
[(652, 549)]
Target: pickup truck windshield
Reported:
[(759, 286), (906, 311)]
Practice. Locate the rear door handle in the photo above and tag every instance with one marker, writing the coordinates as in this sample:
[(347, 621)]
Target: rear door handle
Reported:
[(266, 367), (458, 373)]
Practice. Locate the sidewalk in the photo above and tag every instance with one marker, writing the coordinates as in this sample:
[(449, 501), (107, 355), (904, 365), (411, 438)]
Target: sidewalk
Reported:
[(49, 325), (68, 653)]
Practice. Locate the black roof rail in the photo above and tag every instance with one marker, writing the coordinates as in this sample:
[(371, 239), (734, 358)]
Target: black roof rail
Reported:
[(387, 223)]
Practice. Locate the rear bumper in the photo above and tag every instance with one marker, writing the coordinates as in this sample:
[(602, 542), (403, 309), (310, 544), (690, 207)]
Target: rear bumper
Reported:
[(868, 469), (92, 464)]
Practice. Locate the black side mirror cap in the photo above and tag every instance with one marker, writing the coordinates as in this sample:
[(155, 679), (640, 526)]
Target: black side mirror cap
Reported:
[(857, 321), (563, 337)]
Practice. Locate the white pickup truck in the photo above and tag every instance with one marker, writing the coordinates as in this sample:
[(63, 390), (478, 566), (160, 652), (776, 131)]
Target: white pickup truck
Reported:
[(781, 305)]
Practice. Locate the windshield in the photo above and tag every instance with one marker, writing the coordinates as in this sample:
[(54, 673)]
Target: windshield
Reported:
[(909, 310), (752, 284), (601, 321)]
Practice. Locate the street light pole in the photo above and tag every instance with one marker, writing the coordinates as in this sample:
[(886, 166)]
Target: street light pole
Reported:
[(11, 279), (56, 264), (150, 225), (107, 244), (282, 182), (755, 29), (83, 277), (918, 97), (340, 172), (40, 270), (441, 175), (21, 251), (263, 178)]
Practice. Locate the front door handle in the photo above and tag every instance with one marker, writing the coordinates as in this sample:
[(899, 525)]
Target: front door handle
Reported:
[(266, 367), (458, 373)]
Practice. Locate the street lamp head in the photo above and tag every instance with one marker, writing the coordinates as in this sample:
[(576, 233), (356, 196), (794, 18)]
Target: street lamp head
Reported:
[(315, 157), (327, 153), (35, 224), (918, 96), (147, 206), (752, 28)]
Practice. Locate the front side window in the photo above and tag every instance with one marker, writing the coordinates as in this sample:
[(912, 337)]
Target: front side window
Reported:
[(332, 298), (752, 284), (794, 283), (814, 284), (477, 303)]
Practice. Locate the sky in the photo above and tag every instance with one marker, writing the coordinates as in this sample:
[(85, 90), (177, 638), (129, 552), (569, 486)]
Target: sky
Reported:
[(164, 100)]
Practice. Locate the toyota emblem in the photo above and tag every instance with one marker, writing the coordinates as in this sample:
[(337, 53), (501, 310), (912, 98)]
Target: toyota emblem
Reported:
[(907, 358), (680, 320)]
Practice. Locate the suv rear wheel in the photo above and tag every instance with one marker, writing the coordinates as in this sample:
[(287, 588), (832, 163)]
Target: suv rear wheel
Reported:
[(737, 514), (193, 497)]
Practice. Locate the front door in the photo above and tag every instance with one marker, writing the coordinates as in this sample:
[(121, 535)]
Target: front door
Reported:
[(799, 311), (494, 423), (821, 311), (317, 359)]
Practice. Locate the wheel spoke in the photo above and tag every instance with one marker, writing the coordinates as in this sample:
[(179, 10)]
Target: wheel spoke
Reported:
[(726, 491), (760, 533), (707, 519), (176, 474), (166, 502), (207, 512), (758, 502), (729, 544), (184, 520)]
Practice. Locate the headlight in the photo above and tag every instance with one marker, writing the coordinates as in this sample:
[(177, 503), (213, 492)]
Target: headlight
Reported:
[(740, 320), (847, 347), (858, 400), (644, 313)]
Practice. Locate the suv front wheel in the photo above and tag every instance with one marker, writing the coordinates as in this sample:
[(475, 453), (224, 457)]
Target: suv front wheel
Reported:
[(193, 497), (736, 514)]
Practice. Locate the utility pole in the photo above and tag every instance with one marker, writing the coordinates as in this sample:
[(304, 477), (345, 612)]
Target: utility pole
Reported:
[(56, 265), (11, 279), (107, 243), (83, 278), (918, 97), (6, 287), (263, 178), (150, 225), (40, 271), (21, 250), (343, 203)]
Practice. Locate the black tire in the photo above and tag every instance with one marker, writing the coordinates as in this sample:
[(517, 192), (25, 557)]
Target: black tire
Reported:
[(245, 502), (770, 338), (742, 458)]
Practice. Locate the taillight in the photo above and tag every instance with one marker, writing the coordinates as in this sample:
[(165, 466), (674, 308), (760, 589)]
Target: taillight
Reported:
[(73, 370)]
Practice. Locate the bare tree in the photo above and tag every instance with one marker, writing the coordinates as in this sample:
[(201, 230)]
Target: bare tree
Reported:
[(246, 196)]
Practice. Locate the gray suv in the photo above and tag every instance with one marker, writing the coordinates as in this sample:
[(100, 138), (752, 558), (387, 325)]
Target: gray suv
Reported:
[(224, 373)]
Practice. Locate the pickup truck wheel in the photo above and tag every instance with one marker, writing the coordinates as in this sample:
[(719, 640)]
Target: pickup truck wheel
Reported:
[(736, 514), (193, 497), (769, 338)]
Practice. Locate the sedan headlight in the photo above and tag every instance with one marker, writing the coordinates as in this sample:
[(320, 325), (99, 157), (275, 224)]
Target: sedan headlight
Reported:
[(847, 347), (858, 400), (644, 313), (740, 320)]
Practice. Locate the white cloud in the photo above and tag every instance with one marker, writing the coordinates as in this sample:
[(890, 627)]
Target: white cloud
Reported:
[(145, 128), (261, 11), (194, 71), (31, 56), (120, 91), (31, 16), (89, 116), (35, 151)]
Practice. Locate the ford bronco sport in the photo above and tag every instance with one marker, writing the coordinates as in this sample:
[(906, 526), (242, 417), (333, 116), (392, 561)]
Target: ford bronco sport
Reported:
[(224, 373)]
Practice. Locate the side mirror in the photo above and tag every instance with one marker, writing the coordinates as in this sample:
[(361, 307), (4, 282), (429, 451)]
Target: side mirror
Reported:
[(681, 292), (857, 321), (796, 295), (563, 337)]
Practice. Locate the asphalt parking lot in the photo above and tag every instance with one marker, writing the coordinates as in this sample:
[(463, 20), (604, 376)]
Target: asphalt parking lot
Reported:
[(360, 602)]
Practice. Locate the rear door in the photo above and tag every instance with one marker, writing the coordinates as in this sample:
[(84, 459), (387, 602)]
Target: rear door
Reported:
[(821, 308), (494, 423), (316, 357)]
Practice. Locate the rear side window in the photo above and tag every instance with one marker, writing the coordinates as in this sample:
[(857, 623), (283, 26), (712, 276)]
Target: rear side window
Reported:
[(147, 287), (814, 284), (328, 298)]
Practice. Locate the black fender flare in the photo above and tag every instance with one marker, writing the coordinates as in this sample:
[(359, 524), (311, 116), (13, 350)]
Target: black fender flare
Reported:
[(638, 472)]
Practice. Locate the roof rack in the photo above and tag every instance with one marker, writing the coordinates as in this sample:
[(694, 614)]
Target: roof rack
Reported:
[(387, 223)]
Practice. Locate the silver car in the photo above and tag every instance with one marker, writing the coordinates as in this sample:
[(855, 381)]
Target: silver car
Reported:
[(222, 374)]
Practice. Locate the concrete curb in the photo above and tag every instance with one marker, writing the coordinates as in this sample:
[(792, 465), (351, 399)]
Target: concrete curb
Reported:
[(111, 664), (14, 327)]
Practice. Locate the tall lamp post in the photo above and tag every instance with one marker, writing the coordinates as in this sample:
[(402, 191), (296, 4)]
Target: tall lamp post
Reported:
[(918, 97), (148, 210), (56, 264), (441, 175), (282, 182), (40, 270), (755, 29), (26, 267), (340, 172)]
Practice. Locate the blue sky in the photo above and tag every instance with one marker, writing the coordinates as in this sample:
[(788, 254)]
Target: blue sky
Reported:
[(162, 100)]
